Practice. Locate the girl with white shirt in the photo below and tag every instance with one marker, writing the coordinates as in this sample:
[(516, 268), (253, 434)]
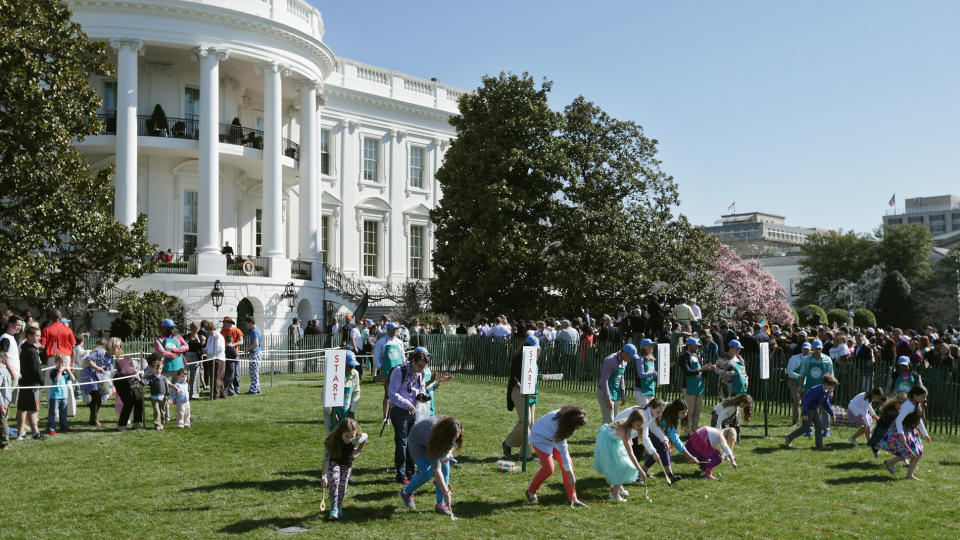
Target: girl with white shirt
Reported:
[(860, 411), (653, 438), (727, 412), (710, 446), (548, 436), (215, 348), (902, 439)]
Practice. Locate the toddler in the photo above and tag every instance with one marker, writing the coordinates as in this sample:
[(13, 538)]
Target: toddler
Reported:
[(342, 446), (60, 377), (158, 390), (181, 397)]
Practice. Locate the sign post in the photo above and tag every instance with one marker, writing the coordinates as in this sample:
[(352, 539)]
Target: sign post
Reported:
[(528, 387), (765, 376), (663, 366), (333, 373)]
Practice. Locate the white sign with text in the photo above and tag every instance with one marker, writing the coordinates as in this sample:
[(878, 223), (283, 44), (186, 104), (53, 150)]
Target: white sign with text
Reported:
[(333, 372), (663, 363), (528, 381), (764, 360)]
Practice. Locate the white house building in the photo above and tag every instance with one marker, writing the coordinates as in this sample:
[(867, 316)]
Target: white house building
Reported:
[(230, 121)]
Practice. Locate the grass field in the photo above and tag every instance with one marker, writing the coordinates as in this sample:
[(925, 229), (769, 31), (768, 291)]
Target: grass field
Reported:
[(250, 465)]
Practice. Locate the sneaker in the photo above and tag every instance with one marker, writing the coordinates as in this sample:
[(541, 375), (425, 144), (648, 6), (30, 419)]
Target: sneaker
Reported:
[(39, 437), (121, 429), (407, 499), (507, 454), (443, 509), (532, 497), (624, 492), (826, 433), (159, 428), (876, 452), (787, 442), (853, 441), (808, 434), (50, 432), (890, 468), (334, 514), (617, 498), (339, 512), (20, 437), (675, 478)]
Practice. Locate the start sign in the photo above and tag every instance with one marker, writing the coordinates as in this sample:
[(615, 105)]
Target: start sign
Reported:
[(528, 381), (333, 373)]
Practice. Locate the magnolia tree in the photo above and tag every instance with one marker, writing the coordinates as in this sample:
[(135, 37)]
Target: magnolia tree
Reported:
[(749, 289)]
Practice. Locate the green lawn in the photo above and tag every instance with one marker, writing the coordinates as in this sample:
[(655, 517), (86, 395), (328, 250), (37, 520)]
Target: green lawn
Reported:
[(251, 465)]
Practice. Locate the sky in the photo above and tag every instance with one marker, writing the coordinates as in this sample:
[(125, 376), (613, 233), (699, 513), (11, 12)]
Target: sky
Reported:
[(816, 111)]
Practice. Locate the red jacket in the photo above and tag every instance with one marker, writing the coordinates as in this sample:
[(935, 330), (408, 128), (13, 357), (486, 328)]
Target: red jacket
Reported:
[(57, 338)]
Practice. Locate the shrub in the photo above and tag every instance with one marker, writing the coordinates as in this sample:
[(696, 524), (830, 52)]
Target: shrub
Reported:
[(814, 309), (864, 318), (839, 316), (140, 316)]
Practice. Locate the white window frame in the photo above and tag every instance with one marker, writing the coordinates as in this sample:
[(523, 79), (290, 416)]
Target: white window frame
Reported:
[(377, 161), (378, 263), (366, 132), (411, 146), (423, 250), (331, 156)]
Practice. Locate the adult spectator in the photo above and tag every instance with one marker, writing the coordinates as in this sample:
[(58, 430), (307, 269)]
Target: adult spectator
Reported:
[(902, 379), (294, 334), (697, 313), (461, 329), (609, 333), (227, 251), (9, 345), (683, 314), (28, 399), (58, 338), (96, 371), (633, 327), (611, 388), (125, 380), (195, 343), (568, 337), (792, 373), (586, 343), (216, 355), (233, 338), (406, 386), (388, 355), (500, 331), (254, 349), (206, 368), (6, 396), (313, 328)]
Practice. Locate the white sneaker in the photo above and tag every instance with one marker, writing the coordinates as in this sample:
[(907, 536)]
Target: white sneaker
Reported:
[(852, 440)]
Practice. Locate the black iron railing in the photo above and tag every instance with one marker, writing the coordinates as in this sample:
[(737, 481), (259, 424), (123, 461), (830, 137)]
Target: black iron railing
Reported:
[(301, 269), (248, 266), (174, 263)]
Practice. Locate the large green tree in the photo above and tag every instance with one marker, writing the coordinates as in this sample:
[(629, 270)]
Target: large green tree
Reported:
[(492, 225), (59, 241), (615, 235), (546, 211)]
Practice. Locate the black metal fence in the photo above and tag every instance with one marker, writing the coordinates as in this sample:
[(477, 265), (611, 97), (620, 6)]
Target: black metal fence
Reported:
[(488, 360)]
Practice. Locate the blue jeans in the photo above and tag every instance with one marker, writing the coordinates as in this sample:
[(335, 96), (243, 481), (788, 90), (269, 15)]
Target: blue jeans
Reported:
[(230, 379), (55, 405), (424, 474), (402, 421)]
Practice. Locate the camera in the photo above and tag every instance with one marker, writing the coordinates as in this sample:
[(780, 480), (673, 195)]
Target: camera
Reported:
[(423, 398)]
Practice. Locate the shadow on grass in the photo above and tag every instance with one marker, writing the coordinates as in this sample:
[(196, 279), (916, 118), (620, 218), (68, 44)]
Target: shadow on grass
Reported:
[(266, 485), (483, 508), (380, 495), (871, 479), (489, 459), (764, 450), (854, 465), (946, 463), (363, 514), (248, 525), (305, 422)]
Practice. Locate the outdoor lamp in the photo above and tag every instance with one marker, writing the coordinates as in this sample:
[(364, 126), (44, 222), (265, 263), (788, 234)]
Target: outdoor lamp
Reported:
[(217, 294), (290, 293)]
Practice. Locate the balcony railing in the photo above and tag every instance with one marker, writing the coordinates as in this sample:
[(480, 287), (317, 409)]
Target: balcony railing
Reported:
[(188, 128), (175, 263), (301, 269)]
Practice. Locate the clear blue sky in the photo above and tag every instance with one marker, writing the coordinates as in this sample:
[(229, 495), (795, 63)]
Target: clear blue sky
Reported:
[(817, 111)]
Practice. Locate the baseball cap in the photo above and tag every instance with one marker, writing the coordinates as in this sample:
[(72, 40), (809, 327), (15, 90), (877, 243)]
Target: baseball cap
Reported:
[(903, 361), (806, 345), (870, 330), (64, 320), (422, 350), (393, 326), (734, 344), (817, 344), (352, 359), (631, 350), (348, 318), (803, 333), (646, 342), (692, 341), (532, 341), (167, 323)]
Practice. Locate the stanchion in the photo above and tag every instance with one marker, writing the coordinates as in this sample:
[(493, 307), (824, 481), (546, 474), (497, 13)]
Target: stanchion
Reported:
[(526, 424), (766, 431)]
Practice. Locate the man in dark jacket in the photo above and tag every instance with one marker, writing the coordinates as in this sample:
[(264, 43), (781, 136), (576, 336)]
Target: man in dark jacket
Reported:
[(28, 402)]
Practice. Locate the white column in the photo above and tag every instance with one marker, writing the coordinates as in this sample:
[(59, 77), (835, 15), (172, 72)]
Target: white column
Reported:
[(125, 180), (309, 171), (209, 259), (350, 172), (272, 171), (397, 178)]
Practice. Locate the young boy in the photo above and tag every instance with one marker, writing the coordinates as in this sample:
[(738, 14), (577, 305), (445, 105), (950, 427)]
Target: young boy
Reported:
[(60, 377), (158, 390), (181, 397), (816, 398)]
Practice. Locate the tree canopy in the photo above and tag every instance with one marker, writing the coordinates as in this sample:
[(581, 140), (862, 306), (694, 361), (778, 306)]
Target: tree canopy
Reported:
[(547, 212), (60, 242)]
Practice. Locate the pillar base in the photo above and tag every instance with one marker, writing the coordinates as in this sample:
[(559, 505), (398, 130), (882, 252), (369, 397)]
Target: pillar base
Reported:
[(212, 264), (278, 267)]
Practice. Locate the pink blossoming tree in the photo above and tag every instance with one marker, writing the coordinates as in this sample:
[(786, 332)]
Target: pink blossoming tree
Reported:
[(747, 288)]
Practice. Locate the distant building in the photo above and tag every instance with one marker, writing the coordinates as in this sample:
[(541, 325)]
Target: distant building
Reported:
[(757, 234), (940, 215), (786, 270)]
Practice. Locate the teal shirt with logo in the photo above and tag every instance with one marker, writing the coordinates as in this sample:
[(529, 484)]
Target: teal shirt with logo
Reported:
[(648, 386), (902, 385), (694, 382), (739, 380), (812, 370), (615, 383), (392, 355)]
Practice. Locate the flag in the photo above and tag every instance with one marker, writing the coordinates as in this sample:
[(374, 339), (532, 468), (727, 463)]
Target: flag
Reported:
[(732, 206), (893, 200)]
